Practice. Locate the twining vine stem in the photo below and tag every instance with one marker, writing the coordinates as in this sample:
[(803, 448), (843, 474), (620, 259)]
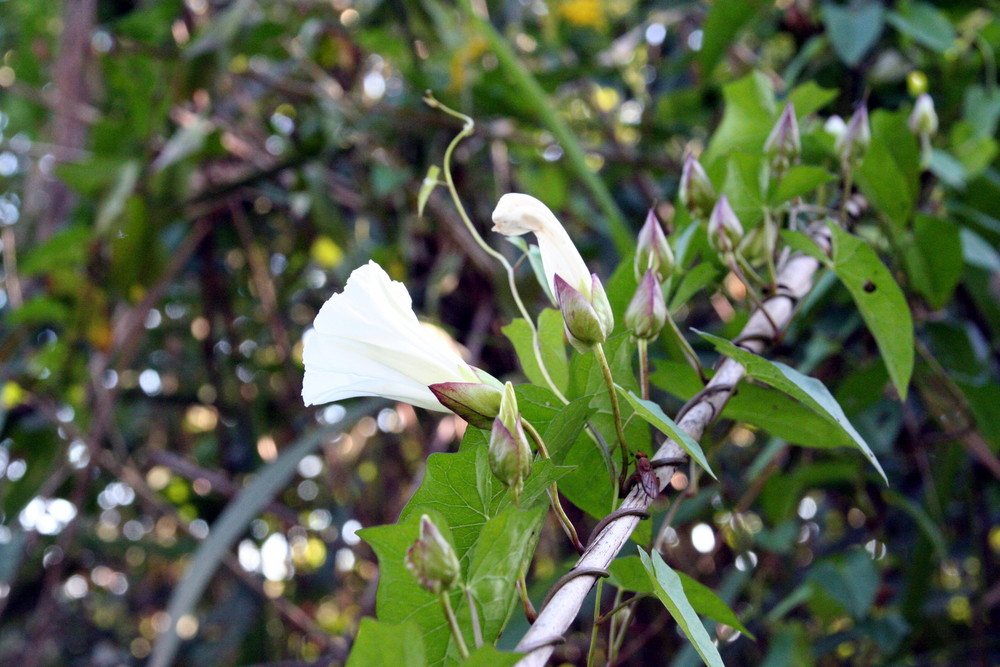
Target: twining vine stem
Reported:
[(795, 278)]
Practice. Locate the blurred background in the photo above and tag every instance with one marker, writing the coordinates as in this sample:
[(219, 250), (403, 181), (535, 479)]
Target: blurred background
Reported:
[(184, 182)]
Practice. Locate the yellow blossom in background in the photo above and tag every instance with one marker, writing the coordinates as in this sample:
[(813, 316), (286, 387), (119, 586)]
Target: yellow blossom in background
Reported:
[(583, 13), (325, 252), (11, 395), (463, 57)]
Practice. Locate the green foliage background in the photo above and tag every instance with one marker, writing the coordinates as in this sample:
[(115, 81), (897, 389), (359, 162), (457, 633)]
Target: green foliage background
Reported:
[(182, 185)]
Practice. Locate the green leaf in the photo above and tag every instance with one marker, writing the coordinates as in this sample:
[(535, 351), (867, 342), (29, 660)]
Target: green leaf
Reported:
[(974, 152), (113, 205), (750, 110), (534, 256), (809, 391), (704, 601), (551, 342), (399, 598), (810, 97), (462, 489), (427, 187), (981, 109), (620, 287), (799, 180), (889, 174), (726, 18), (924, 24), (745, 187), (66, 249), (764, 407), (501, 545), (934, 261), (853, 29), (802, 243), (505, 544), (880, 301), (566, 427), (692, 282), (852, 580), (629, 574), (668, 588), (653, 414), (977, 251), (380, 644), (487, 656)]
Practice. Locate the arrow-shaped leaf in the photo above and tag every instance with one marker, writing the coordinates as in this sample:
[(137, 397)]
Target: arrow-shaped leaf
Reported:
[(809, 390), (653, 414)]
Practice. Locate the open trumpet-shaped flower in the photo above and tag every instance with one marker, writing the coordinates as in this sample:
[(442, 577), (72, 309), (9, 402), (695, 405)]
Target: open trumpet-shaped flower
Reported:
[(367, 341)]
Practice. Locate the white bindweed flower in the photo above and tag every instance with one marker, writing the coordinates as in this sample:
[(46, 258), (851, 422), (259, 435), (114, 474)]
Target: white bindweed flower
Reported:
[(367, 341), (518, 214)]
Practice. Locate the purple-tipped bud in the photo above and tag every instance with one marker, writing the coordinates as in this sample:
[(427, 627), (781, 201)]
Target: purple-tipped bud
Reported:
[(696, 191), (724, 229), (509, 452), (653, 251), (432, 559), (647, 312), (924, 120), (587, 323), (783, 145), (474, 402), (852, 145)]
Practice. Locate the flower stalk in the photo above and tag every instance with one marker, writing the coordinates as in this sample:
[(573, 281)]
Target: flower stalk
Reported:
[(553, 490), (467, 128), (616, 411), (456, 631)]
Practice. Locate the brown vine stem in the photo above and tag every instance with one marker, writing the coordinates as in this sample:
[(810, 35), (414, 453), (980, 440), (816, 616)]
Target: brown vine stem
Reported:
[(796, 278)]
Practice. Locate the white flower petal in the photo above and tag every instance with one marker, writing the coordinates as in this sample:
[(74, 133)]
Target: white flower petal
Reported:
[(367, 341), (518, 214)]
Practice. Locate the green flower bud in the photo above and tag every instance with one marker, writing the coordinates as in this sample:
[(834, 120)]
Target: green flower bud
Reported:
[(474, 402), (696, 191), (653, 251), (784, 145), (432, 559), (647, 312), (587, 322), (509, 451), (510, 456), (924, 120), (852, 145), (724, 229)]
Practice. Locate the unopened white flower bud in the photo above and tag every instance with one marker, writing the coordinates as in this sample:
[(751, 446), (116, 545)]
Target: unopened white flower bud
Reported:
[(724, 229)]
